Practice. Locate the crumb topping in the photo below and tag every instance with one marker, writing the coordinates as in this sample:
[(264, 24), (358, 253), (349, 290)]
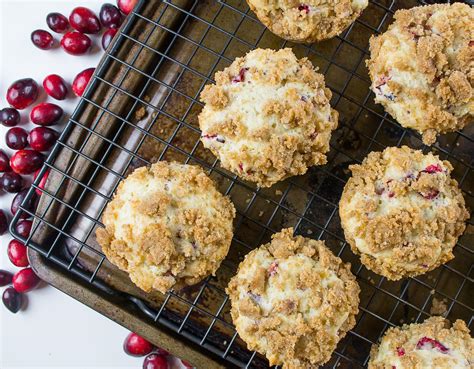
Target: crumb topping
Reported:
[(307, 20), (422, 68), (268, 116), (293, 300), (431, 344), (402, 212), (167, 226)]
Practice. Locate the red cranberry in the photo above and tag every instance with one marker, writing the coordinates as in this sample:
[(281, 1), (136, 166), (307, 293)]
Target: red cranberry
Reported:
[(22, 93), (304, 8), (110, 16), (23, 228), (3, 223), (5, 278), (400, 351), (426, 343), (82, 79), (42, 182), (84, 20), (30, 205), (42, 39), (26, 161), (241, 76), (4, 162), (25, 280), (46, 114), (57, 22), (430, 195), (42, 138), (155, 361), (75, 43), (107, 37), (126, 6), (137, 346), (55, 87), (16, 138), (11, 182), (9, 117), (433, 168), (186, 364), (17, 253), (12, 300)]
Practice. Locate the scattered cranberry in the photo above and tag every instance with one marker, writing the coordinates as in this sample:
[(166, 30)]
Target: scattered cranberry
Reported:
[(430, 194), (82, 79), (4, 162), (29, 206), (46, 114), (186, 364), (26, 161), (3, 223), (25, 280), (5, 278), (16, 138), (12, 300), (400, 351), (11, 182), (155, 361), (22, 93), (126, 6), (42, 182), (426, 343), (55, 87), (57, 22), (137, 346), (23, 228), (42, 39), (433, 168), (241, 76), (107, 37), (304, 8), (42, 138), (17, 253), (75, 43), (110, 16), (9, 117), (84, 20)]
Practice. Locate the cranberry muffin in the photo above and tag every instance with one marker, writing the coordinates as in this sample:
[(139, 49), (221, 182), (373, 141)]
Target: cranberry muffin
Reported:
[(422, 68), (293, 300), (167, 226), (268, 116), (307, 20), (431, 344), (402, 212)]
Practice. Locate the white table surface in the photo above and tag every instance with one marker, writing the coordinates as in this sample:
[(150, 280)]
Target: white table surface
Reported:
[(54, 331)]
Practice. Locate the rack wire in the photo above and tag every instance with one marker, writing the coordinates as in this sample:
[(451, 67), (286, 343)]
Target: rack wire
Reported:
[(163, 126)]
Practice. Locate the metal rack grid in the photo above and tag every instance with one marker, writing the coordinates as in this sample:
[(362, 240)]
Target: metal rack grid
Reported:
[(364, 127)]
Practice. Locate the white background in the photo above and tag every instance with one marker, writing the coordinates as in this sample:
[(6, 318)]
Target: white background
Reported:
[(54, 331)]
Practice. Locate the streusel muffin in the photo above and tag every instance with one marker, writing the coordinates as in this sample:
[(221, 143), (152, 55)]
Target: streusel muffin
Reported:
[(293, 300), (422, 68), (308, 20), (402, 212), (431, 344), (268, 116), (167, 226)]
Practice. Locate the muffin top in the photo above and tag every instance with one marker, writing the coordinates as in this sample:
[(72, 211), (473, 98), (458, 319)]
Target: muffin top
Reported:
[(402, 212), (293, 300), (307, 20), (431, 344), (422, 68), (268, 116), (167, 226)]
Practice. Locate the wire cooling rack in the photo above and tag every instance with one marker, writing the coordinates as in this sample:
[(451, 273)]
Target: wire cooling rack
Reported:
[(141, 106)]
